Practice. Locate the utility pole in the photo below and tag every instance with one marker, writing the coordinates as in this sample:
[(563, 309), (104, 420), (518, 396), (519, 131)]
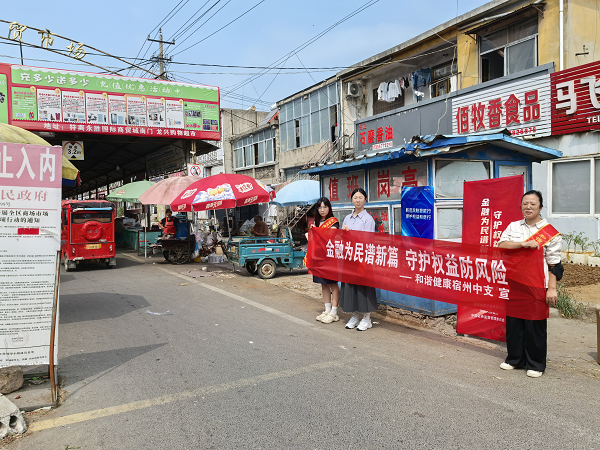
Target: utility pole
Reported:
[(161, 59)]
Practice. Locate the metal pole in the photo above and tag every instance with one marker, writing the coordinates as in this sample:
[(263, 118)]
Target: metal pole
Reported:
[(145, 228), (51, 368), (162, 56), (227, 219), (21, 47)]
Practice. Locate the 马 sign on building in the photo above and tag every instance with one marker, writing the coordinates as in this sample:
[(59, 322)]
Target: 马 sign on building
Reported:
[(39, 99), (575, 99)]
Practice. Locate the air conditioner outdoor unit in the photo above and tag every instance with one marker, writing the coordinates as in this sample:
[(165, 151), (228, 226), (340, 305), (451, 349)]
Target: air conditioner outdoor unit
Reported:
[(354, 89)]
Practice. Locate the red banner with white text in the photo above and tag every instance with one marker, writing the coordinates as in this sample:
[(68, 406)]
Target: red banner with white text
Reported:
[(488, 207), (502, 281)]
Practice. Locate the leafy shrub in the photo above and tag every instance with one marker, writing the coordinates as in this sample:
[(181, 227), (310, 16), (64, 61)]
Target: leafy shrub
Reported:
[(567, 305)]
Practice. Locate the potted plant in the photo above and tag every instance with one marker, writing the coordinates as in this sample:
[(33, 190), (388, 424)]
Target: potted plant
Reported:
[(594, 260), (582, 257), (568, 239)]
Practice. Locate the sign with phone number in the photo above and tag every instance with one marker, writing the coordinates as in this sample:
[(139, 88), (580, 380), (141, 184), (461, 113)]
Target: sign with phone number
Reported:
[(523, 131)]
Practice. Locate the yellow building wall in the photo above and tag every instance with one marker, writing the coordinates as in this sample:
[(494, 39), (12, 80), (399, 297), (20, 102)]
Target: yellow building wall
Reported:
[(548, 34), (582, 27), (468, 60)]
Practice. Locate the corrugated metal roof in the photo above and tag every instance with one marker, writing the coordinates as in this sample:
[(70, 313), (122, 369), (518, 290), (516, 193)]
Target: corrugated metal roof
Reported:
[(430, 145), (270, 117)]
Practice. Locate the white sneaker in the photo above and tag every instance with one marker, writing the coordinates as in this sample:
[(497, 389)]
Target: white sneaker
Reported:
[(506, 366), (352, 323), (534, 373), (330, 318), (322, 316), (364, 325)]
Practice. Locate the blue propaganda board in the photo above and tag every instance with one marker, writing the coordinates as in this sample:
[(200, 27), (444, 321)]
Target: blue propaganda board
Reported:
[(417, 212)]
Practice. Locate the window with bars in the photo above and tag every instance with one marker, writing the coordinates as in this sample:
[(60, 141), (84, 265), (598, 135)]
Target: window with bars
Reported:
[(308, 120), (255, 149), (379, 106)]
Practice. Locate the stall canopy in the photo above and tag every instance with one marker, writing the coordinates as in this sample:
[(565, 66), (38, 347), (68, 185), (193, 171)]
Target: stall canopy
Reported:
[(300, 192), (222, 191), (166, 191), (130, 192)]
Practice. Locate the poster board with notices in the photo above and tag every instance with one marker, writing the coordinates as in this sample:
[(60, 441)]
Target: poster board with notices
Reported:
[(30, 233)]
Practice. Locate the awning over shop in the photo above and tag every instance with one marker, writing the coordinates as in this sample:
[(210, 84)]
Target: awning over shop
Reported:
[(427, 146)]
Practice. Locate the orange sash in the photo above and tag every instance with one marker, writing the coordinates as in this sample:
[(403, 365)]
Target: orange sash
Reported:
[(544, 235), (329, 223)]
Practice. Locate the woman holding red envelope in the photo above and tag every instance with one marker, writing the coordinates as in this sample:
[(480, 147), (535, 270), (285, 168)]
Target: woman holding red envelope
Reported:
[(355, 298), (526, 340), (331, 292)]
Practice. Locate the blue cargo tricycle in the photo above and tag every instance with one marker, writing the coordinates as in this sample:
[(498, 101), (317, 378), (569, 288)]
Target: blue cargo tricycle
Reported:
[(263, 254)]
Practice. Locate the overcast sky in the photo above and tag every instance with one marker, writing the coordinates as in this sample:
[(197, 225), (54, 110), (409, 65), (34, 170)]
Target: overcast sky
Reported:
[(268, 33)]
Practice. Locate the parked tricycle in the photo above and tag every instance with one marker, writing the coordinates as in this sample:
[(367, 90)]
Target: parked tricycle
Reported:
[(263, 254), (88, 232)]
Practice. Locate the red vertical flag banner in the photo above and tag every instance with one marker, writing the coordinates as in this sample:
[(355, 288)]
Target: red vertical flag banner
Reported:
[(488, 207)]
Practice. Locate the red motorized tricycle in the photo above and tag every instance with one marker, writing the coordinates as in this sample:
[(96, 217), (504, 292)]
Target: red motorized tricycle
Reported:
[(88, 232)]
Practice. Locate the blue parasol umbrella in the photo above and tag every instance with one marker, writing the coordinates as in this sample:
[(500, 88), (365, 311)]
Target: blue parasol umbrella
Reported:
[(301, 192)]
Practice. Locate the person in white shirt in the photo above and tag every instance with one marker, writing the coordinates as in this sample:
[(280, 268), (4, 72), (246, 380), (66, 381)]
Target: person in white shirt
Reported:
[(526, 340), (355, 298)]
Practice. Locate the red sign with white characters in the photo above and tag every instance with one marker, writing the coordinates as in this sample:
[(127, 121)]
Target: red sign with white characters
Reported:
[(380, 137), (505, 282), (488, 207), (575, 99)]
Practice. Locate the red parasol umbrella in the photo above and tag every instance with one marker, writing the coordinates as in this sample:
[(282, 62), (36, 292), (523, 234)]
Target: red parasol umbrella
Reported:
[(166, 191), (222, 191)]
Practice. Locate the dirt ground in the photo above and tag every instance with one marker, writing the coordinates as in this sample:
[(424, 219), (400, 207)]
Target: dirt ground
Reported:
[(576, 275), (583, 282)]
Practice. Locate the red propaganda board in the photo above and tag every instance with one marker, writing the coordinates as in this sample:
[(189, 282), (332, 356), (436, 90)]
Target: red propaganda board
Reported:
[(505, 281), (575, 102), (488, 207)]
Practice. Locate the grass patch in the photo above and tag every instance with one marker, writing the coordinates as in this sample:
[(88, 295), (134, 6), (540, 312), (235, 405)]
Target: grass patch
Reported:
[(567, 305)]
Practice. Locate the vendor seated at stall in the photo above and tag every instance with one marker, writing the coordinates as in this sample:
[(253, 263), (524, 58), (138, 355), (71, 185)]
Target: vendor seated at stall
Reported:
[(261, 228), (169, 224)]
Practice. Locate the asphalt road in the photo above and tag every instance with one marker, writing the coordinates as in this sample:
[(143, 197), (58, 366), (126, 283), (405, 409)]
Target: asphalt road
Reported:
[(243, 364)]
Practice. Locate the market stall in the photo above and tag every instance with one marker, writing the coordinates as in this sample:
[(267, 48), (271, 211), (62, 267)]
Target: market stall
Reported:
[(225, 191), (129, 231)]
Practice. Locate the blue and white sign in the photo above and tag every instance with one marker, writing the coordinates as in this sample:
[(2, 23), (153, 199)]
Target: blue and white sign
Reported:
[(417, 212)]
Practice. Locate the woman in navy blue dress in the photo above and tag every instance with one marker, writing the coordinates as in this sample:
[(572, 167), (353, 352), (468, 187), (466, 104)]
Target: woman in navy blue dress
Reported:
[(331, 291)]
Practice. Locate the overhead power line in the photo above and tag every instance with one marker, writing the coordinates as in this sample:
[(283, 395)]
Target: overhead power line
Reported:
[(224, 26), (175, 35), (203, 23), (157, 26), (305, 44)]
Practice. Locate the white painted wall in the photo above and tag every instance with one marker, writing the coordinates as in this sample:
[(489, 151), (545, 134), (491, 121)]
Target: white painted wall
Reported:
[(572, 146)]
